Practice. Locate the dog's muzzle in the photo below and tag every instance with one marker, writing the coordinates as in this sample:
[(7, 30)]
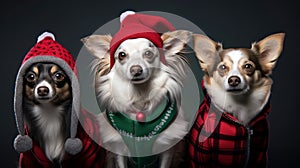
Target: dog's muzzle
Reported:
[(43, 91), (138, 74), (236, 85), (234, 81), (136, 70)]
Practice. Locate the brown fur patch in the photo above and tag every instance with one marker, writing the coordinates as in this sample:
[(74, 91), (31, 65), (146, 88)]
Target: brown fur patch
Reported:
[(64, 92), (207, 79), (53, 69), (29, 92), (35, 70)]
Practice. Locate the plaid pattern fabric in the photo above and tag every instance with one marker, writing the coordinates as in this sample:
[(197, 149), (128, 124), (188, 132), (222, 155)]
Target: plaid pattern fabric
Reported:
[(91, 156), (217, 139)]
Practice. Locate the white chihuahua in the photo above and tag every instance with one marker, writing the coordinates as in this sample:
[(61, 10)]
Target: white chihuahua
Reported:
[(136, 85)]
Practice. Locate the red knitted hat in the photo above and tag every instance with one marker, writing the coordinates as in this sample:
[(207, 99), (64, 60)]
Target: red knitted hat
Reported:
[(134, 25), (47, 46)]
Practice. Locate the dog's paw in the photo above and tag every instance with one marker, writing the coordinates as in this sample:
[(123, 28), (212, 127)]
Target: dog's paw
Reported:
[(22, 143)]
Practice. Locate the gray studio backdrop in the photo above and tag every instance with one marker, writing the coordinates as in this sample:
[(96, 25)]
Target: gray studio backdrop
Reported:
[(234, 23)]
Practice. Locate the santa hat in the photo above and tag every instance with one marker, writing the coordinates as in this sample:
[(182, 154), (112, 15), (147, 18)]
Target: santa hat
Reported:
[(135, 25), (47, 50)]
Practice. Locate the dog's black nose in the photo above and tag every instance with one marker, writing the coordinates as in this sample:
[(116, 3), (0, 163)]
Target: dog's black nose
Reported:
[(136, 70), (43, 91), (234, 81)]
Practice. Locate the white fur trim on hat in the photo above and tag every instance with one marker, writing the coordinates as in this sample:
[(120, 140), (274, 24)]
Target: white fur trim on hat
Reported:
[(45, 34), (125, 14)]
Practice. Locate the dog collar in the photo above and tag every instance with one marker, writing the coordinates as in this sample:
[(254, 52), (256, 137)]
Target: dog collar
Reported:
[(161, 118)]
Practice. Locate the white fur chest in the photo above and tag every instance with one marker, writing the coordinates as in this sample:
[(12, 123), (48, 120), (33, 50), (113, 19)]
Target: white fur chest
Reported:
[(243, 107), (121, 95), (49, 120)]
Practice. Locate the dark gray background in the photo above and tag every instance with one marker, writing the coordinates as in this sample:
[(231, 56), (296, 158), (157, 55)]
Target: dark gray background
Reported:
[(234, 23)]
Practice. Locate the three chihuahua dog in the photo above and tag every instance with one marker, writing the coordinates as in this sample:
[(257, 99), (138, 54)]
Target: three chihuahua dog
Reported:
[(139, 74)]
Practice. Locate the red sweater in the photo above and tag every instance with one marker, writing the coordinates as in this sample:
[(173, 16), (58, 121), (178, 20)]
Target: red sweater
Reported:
[(227, 143), (91, 156)]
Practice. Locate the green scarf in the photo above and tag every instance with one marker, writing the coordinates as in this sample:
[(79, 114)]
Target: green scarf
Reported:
[(140, 136)]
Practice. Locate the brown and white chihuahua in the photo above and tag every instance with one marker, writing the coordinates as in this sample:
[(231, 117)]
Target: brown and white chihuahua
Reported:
[(237, 79)]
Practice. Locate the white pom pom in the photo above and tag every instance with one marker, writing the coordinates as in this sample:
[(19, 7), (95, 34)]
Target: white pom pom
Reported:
[(45, 34), (125, 14)]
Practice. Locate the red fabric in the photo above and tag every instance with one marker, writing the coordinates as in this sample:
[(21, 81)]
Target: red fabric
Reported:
[(225, 143), (49, 47), (140, 26), (91, 156)]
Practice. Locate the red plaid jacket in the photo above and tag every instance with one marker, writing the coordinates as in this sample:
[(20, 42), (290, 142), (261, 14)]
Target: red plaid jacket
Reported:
[(91, 156), (218, 139)]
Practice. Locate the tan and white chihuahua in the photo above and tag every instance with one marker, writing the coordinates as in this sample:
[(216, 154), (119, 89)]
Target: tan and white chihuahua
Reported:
[(138, 82), (237, 79)]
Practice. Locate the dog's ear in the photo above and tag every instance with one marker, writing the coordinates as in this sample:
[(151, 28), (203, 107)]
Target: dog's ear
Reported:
[(206, 51), (269, 50), (98, 45), (175, 41)]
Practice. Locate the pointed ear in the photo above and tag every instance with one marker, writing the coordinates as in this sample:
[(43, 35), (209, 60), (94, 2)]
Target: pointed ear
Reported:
[(175, 41), (206, 51), (269, 50), (98, 45)]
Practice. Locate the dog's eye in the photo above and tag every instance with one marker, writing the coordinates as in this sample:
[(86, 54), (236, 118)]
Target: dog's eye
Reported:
[(122, 55), (31, 77), (249, 68), (222, 67), (59, 76), (149, 54)]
